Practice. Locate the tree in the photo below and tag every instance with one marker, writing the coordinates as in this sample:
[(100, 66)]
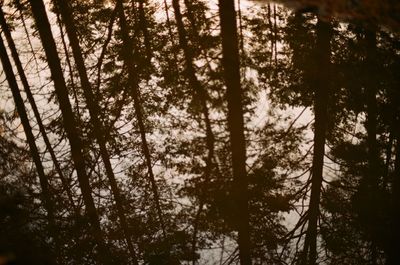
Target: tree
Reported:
[(230, 63), (19, 103), (35, 110), (321, 86), (42, 23), (23, 239), (279, 146), (99, 132), (200, 93)]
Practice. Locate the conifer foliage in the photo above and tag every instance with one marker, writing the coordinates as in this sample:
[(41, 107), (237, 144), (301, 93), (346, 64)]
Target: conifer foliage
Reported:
[(199, 132)]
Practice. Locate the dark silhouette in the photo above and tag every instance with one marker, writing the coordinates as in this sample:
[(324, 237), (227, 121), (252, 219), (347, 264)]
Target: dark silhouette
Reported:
[(230, 62), (191, 132), (39, 13)]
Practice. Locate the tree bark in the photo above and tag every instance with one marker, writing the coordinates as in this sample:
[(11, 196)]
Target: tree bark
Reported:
[(230, 63), (46, 36)]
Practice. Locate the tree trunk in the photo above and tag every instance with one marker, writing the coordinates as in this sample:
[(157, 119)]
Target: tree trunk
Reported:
[(393, 255), (32, 102), (172, 64), (321, 86), (46, 36), (201, 94), (190, 12), (230, 62), (371, 122), (134, 87), (392, 251), (69, 65), (373, 175), (98, 128), (145, 32), (19, 104)]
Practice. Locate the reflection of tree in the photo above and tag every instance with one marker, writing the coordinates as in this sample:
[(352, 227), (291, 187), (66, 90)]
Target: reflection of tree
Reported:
[(186, 139)]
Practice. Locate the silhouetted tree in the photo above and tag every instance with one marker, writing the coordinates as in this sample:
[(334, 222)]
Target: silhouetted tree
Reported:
[(49, 46), (230, 62)]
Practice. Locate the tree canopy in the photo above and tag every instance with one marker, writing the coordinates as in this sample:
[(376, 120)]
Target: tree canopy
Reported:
[(199, 132)]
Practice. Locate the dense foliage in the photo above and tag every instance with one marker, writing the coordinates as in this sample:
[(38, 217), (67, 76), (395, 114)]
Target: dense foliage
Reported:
[(178, 132)]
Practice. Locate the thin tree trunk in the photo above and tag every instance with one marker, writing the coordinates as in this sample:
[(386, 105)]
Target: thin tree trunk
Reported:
[(371, 122), (94, 112), (104, 48), (194, 27), (168, 19), (321, 86), (190, 13), (173, 66), (230, 62), (393, 255), (46, 36), (69, 64), (275, 37), (32, 102), (372, 180), (145, 32), (241, 36), (43, 180), (201, 94), (134, 87), (21, 14), (388, 161), (271, 28)]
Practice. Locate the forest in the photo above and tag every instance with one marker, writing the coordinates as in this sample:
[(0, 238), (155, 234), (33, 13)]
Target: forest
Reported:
[(166, 132)]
